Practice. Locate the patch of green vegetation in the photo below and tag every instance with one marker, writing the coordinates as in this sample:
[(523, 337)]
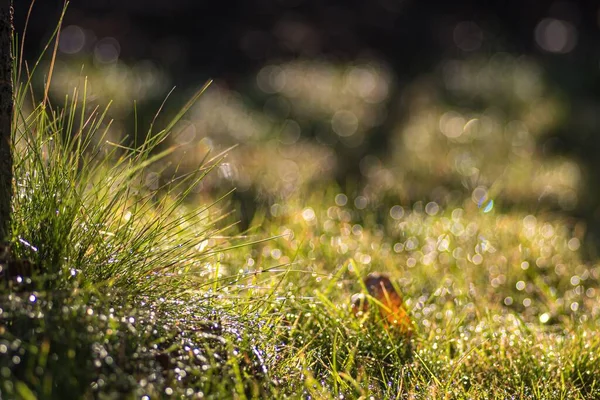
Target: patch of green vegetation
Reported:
[(502, 303), (104, 287), (131, 291)]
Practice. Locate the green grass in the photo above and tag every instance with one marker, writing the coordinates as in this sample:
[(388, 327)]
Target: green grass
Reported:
[(124, 296), (138, 292), (486, 324)]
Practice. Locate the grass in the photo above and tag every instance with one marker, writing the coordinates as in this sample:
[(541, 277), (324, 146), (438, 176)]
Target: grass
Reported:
[(487, 324), (114, 300), (134, 292)]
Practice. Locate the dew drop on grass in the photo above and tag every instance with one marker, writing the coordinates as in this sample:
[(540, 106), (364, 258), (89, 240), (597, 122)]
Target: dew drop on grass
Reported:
[(397, 212), (357, 230), (489, 206), (432, 208), (341, 199), (574, 244), (360, 202), (547, 231), (308, 214), (276, 254), (575, 280)]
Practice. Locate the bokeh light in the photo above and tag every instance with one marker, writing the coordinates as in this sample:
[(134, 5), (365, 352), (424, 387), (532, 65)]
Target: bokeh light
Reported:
[(556, 36)]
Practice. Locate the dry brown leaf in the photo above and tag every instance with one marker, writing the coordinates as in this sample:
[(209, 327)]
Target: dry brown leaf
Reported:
[(391, 307)]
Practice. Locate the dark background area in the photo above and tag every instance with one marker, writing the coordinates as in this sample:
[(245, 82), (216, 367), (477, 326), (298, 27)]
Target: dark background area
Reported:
[(198, 39), (193, 40)]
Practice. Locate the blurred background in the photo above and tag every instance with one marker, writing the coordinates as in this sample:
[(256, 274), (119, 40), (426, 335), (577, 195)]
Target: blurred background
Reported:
[(410, 102)]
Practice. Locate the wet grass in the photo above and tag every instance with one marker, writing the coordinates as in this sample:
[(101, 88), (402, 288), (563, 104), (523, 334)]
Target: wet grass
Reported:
[(135, 294), (502, 304), (109, 284), (115, 287)]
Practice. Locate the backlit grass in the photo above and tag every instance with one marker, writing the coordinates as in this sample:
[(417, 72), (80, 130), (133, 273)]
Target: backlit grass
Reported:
[(141, 288)]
